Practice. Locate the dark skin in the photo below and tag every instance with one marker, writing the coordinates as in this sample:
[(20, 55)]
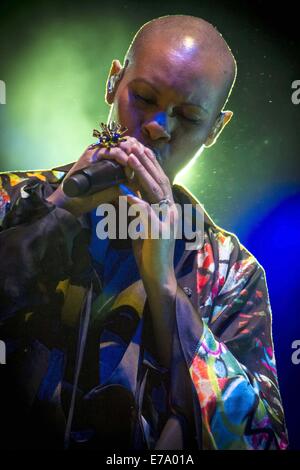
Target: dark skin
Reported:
[(170, 100)]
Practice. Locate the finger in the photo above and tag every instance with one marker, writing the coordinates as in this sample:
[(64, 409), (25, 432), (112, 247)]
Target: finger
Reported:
[(131, 145), (148, 159), (117, 155), (152, 157), (153, 226), (145, 155), (148, 221), (148, 184), (114, 153), (155, 189), (138, 150)]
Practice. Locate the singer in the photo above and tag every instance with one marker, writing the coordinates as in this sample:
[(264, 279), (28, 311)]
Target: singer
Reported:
[(137, 344)]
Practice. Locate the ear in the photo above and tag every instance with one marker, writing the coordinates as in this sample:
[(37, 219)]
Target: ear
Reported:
[(115, 72), (221, 121)]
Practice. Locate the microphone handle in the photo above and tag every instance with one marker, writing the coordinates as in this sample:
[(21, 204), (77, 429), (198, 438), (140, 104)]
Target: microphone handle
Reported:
[(94, 178)]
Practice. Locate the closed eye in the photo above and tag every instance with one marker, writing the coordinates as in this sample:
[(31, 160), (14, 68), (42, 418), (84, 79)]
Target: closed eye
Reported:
[(143, 99), (181, 115), (193, 121)]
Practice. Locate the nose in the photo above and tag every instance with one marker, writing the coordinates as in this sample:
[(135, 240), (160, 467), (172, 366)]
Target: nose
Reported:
[(156, 128)]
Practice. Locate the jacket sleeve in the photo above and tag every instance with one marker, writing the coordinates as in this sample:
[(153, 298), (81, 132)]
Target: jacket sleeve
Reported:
[(233, 366), (37, 241)]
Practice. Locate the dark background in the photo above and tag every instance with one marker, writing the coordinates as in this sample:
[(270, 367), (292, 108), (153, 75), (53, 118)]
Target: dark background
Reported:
[(54, 57)]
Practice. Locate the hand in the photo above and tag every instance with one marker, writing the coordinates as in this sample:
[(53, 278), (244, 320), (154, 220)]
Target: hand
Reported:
[(79, 205), (154, 256)]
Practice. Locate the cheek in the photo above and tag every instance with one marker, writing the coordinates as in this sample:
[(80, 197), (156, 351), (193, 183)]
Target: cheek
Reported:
[(190, 138), (126, 113), (185, 144)]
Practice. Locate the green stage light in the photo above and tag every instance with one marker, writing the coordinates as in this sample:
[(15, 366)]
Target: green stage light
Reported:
[(56, 93)]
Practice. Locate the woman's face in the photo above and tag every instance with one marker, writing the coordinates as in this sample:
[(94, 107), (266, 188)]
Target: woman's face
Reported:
[(169, 102)]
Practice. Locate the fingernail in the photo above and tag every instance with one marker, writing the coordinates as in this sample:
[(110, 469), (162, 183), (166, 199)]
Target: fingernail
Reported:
[(126, 190)]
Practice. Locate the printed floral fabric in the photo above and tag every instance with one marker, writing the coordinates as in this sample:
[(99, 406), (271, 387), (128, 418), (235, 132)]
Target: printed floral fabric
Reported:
[(234, 369), (222, 341)]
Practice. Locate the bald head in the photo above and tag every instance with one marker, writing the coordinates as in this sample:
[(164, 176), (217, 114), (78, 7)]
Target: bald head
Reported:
[(170, 93), (188, 36)]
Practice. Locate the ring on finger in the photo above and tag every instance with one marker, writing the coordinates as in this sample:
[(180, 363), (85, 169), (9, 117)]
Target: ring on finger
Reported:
[(164, 201)]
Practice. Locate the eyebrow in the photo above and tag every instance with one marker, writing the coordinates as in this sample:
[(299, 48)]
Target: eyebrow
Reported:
[(146, 82)]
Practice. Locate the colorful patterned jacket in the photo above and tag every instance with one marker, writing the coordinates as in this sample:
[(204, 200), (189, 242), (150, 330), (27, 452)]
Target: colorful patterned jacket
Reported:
[(222, 383)]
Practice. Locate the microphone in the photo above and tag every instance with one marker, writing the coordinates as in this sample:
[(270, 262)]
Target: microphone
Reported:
[(94, 178)]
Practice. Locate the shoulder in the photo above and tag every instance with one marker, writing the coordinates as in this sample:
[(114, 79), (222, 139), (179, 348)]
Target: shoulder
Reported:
[(220, 246), (12, 181)]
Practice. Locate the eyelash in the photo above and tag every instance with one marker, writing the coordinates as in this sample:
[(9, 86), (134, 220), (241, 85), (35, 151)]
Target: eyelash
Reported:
[(151, 102), (145, 100), (193, 121)]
